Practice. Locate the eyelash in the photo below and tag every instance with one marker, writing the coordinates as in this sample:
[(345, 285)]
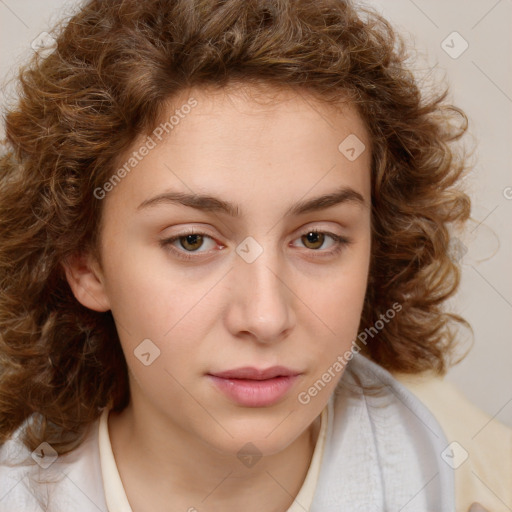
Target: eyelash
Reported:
[(340, 243)]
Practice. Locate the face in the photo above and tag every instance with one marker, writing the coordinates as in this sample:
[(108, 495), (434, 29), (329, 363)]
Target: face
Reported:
[(217, 255)]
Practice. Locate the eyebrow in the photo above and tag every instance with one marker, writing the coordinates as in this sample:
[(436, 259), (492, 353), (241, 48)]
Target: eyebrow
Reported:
[(210, 203)]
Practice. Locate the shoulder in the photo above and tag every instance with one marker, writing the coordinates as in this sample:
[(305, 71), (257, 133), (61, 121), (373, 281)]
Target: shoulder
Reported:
[(15, 470), (43, 480), (480, 449), (382, 441)]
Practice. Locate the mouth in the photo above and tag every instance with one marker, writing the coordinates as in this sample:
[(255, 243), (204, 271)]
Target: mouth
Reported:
[(250, 373), (252, 387)]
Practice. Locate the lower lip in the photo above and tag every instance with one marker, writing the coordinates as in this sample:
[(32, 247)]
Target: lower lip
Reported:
[(255, 393)]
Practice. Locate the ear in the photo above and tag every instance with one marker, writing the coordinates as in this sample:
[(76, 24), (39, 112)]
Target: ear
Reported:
[(86, 281)]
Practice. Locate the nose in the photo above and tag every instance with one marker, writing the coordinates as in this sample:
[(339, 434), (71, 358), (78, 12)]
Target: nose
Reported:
[(261, 305)]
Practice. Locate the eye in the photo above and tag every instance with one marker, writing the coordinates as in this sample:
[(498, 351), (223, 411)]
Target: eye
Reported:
[(189, 242), (314, 240), (187, 245)]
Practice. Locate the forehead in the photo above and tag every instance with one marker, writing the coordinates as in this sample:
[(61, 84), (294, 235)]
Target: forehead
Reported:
[(245, 140), (261, 101), (261, 122)]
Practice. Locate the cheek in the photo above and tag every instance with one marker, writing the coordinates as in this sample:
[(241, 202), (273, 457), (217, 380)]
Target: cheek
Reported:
[(345, 302), (337, 307), (144, 296), (170, 312), (339, 301), (339, 310)]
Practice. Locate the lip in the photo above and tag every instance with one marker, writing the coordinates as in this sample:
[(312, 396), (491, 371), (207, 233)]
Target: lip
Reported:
[(253, 387)]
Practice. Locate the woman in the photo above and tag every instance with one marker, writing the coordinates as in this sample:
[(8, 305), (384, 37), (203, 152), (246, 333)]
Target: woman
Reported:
[(225, 228)]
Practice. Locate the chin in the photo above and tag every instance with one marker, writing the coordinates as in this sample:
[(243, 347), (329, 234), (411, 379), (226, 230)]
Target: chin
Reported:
[(261, 438)]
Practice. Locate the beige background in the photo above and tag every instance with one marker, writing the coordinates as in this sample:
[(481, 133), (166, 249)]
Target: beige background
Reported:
[(480, 80)]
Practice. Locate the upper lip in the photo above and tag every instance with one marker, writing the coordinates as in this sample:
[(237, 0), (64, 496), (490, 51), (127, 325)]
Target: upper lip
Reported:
[(248, 372)]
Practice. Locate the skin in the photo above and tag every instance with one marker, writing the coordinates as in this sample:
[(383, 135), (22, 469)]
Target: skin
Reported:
[(176, 443)]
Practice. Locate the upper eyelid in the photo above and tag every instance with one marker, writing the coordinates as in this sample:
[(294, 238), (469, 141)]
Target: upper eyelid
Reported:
[(298, 232)]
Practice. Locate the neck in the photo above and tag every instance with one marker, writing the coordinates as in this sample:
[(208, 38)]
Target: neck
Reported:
[(170, 469)]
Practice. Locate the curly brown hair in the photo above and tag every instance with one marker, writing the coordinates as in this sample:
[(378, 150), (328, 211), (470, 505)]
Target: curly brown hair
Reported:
[(115, 67)]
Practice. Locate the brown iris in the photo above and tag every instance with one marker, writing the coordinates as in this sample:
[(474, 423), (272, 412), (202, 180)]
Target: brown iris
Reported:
[(191, 242), (313, 238)]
